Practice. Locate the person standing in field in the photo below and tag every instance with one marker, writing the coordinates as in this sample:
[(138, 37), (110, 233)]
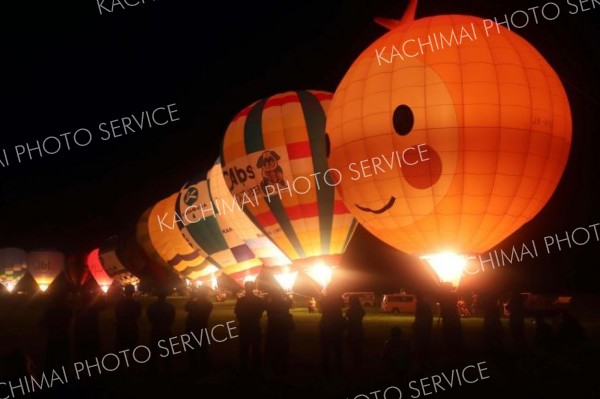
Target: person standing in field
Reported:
[(248, 310), (127, 312), (161, 315), (355, 333), (331, 332), (198, 309)]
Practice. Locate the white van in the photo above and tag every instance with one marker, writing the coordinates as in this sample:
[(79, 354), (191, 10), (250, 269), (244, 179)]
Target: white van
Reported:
[(367, 299), (399, 303)]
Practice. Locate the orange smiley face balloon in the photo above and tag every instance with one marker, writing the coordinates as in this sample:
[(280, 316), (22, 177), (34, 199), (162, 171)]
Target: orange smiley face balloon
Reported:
[(481, 118)]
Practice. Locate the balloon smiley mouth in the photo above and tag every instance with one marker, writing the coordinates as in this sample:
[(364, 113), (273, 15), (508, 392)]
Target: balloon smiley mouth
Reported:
[(384, 208)]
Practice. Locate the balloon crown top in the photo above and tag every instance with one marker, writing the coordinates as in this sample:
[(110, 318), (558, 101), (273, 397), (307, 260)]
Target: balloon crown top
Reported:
[(408, 17)]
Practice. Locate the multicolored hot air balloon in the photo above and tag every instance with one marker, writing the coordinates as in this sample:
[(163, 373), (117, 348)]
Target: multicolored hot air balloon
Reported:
[(44, 266), (195, 214), (231, 216), (490, 115), (13, 266), (274, 159)]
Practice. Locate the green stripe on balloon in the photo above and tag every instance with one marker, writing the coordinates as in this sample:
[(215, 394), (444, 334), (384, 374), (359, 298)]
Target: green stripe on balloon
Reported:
[(253, 141), (206, 233), (314, 115), (350, 234)]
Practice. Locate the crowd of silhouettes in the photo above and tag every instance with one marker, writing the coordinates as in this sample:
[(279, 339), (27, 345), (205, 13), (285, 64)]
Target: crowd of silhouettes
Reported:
[(340, 330)]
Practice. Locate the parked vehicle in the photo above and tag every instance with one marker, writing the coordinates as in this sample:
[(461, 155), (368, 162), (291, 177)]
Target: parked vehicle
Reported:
[(399, 303), (367, 299), (544, 304)]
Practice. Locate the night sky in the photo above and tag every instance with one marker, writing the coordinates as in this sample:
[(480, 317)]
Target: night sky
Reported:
[(68, 67)]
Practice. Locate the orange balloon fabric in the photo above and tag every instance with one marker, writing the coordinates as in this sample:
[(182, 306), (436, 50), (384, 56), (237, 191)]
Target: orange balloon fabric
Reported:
[(491, 114)]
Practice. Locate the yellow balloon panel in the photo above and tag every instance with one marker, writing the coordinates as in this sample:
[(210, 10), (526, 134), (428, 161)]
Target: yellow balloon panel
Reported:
[(169, 242)]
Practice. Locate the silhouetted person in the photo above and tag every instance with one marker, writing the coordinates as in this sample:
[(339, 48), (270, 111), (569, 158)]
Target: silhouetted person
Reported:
[(492, 325), (55, 321), (161, 315), (280, 325), (422, 326), (451, 326), (198, 309), (355, 333), (127, 312), (543, 335), (18, 364), (396, 353), (516, 320), (331, 332), (87, 325), (569, 333), (248, 310)]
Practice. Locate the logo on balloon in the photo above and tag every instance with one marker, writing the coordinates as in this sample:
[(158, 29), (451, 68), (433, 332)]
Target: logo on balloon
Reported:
[(191, 196), (271, 171)]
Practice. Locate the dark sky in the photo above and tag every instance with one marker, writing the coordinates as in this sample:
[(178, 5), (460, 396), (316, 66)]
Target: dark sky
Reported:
[(67, 67)]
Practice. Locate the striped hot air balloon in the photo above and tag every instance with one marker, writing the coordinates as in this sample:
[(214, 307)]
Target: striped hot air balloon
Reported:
[(13, 266), (195, 216), (274, 159)]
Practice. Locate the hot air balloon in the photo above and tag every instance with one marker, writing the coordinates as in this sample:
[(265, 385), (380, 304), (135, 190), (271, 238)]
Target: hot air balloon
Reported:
[(114, 267), (96, 268), (76, 271), (274, 161), (13, 266), (489, 115), (232, 217), (166, 239), (195, 214), (44, 266)]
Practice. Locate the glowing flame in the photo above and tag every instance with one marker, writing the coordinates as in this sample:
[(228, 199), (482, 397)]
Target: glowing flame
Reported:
[(321, 273), (43, 287), (199, 283), (104, 288), (448, 266), (250, 277), (214, 283), (10, 287), (286, 280)]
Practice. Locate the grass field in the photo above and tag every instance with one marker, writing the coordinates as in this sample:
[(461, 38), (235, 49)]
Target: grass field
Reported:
[(19, 318)]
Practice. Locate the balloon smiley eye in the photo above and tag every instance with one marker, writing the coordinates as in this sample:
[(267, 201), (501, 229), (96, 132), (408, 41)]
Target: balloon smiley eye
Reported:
[(403, 120), (327, 145)]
